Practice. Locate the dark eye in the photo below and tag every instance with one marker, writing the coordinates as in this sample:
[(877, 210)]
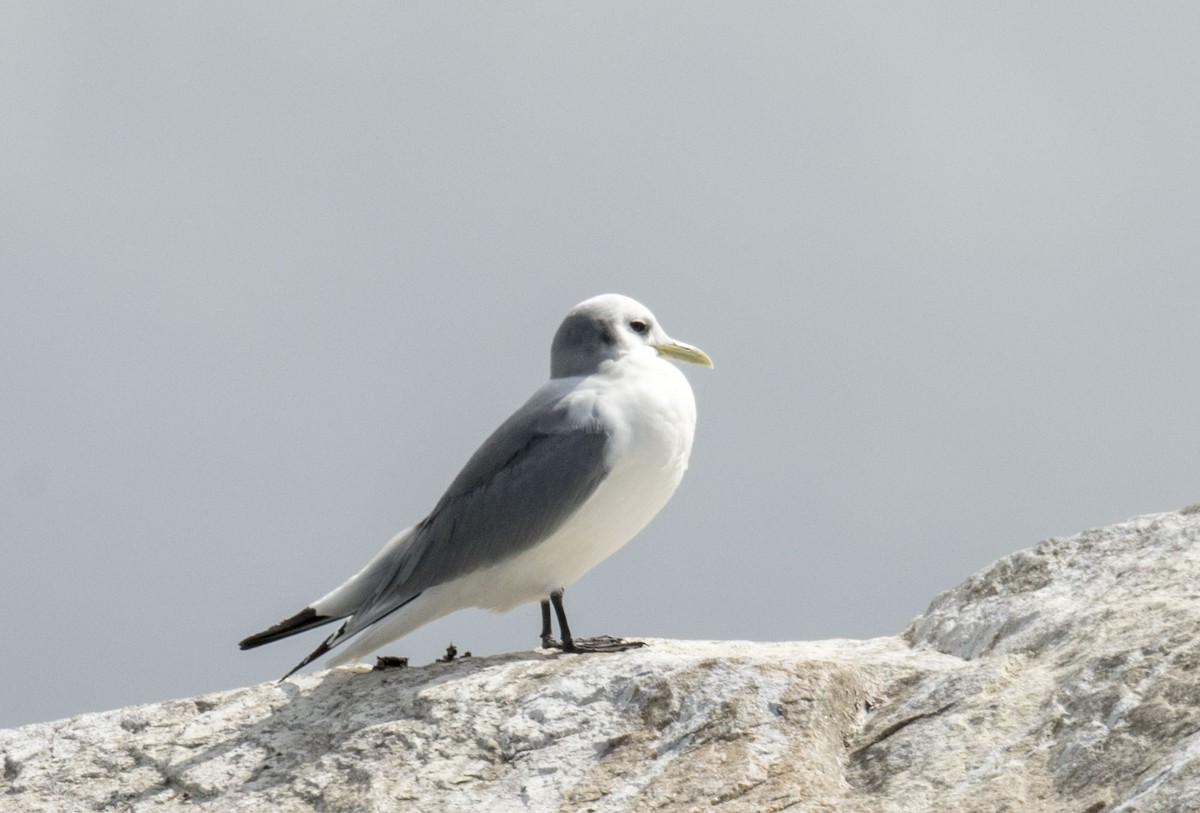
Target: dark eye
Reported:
[(638, 326)]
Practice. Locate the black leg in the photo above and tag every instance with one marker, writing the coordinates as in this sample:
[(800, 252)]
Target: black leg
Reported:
[(568, 643), (548, 641), (602, 643)]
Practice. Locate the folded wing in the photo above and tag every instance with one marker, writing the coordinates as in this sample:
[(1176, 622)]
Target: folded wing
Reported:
[(521, 485)]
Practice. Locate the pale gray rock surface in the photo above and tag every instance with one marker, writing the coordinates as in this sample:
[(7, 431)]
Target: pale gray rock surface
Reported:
[(1062, 678)]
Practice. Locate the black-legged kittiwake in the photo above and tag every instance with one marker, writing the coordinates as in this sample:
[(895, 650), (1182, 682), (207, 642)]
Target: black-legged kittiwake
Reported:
[(568, 479)]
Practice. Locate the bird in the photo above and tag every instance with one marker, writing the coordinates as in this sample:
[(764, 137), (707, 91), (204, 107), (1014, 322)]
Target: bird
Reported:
[(563, 483)]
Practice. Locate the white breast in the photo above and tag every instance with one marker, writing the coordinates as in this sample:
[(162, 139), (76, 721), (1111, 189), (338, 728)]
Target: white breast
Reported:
[(648, 406)]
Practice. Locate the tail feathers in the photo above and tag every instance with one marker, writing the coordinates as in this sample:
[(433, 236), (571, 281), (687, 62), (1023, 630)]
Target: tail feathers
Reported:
[(306, 619), (348, 628), (302, 621)]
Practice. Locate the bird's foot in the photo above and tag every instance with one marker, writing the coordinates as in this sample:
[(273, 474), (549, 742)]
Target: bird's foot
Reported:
[(601, 643)]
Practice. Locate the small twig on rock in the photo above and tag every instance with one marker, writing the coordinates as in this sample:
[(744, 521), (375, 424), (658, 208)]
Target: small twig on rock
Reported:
[(389, 662), (452, 654)]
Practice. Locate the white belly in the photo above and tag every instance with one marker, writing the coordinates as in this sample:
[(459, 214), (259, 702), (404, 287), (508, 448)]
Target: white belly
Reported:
[(651, 443)]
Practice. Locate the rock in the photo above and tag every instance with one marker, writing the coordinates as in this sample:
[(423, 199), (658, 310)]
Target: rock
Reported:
[(1061, 678)]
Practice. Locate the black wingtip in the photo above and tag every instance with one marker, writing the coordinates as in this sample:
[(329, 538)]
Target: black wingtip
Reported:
[(326, 645), (306, 619), (316, 653)]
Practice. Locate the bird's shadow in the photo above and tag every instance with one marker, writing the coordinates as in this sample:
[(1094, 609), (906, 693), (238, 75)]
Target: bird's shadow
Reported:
[(306, 724)]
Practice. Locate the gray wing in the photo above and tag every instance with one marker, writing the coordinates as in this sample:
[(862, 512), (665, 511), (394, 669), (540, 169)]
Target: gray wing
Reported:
[(521, 485)]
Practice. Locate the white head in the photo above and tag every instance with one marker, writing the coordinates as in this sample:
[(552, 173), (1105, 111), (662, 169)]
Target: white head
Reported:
[(606, 328)]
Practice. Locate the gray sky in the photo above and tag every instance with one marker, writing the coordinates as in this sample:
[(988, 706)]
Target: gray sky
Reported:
[(270, 273)]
